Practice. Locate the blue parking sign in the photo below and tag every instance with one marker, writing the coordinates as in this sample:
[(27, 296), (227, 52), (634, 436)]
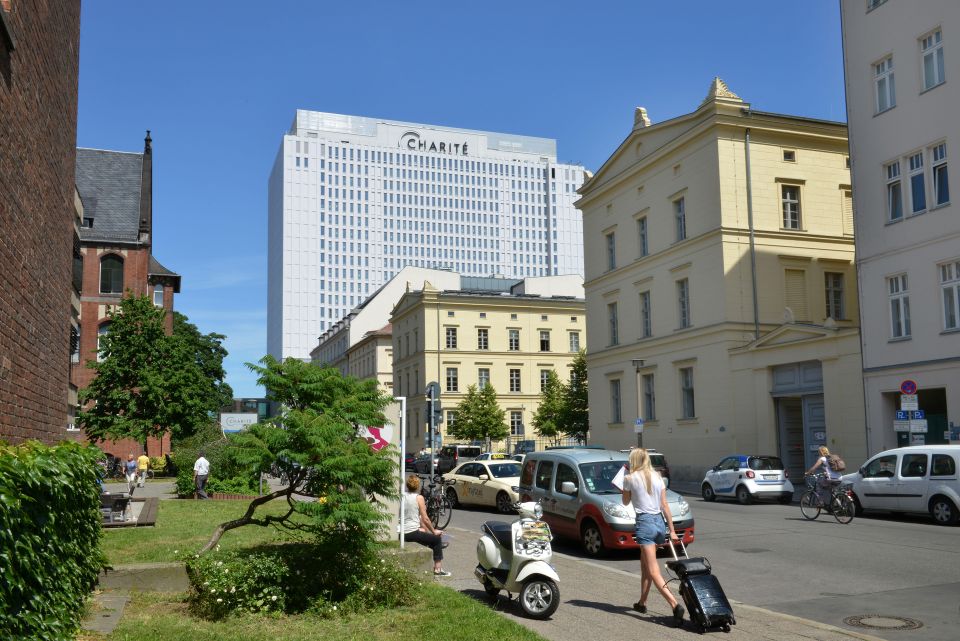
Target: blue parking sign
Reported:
[(918, 415), (903, 415)]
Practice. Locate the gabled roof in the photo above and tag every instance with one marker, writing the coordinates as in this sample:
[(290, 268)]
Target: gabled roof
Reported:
[(109, 186), (156, 269), (792, 333)]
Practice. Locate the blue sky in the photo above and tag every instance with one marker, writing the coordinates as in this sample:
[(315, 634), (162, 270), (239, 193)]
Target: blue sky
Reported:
[(218, 82)]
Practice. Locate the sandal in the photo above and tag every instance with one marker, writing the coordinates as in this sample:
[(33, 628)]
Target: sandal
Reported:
[(639, 607)]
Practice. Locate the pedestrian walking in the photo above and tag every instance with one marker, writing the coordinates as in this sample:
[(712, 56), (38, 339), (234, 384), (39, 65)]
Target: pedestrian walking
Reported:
[(143, 464), (645, 490), (130, 470), (201, 469)]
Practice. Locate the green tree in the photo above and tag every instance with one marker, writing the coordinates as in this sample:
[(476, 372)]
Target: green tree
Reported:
[(478, 417), (548, 419), (576, 412), (208, 352), (317, 442)]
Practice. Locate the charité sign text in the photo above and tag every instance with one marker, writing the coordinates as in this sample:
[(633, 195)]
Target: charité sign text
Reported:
[(412, 141)]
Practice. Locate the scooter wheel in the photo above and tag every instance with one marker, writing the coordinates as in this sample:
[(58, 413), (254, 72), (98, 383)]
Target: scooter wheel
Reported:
[(539, 597)]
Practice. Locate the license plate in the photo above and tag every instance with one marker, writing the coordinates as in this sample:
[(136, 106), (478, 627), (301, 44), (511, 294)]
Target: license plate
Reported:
[(770, 476)]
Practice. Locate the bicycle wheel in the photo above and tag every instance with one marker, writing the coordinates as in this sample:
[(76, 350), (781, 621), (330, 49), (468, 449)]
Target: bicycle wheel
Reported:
[(442, 511), (843, 508), (810, 505)]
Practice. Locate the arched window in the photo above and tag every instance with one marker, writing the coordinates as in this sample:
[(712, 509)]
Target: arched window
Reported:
[(111, 275), (102, 331), (158, 295)]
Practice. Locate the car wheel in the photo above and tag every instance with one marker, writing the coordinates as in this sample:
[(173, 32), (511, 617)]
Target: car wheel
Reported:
[(743, 495), (539, 597), (452, 497), (707, 492), (857, 507), (786, 499), (504, 505), (591, 539), (943, 511)]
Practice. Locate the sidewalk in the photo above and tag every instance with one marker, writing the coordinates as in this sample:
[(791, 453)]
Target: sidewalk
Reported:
[(596, 604)]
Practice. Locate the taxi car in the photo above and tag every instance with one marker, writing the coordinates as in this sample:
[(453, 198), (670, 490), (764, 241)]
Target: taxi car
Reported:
[(748, 477), (492, 483)]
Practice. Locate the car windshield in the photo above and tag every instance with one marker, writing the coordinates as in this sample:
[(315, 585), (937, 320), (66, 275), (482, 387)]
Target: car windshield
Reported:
[(657, 460), (504, 470), (765, 463), (598, 477)]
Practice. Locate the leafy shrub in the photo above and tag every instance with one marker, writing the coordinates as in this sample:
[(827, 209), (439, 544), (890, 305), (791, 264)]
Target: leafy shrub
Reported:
[(158, 464), (184, 484), (294, 578), (236, 485), (49, 538)]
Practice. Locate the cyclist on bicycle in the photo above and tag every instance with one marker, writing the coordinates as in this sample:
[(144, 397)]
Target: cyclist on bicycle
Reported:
[(418, 527), (830, 478)]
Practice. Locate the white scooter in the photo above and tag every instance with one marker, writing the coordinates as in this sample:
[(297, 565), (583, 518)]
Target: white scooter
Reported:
[(516, 557)]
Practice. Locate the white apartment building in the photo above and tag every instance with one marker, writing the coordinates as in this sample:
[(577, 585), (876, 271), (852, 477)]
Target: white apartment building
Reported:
[(898, 58), (353, 200)]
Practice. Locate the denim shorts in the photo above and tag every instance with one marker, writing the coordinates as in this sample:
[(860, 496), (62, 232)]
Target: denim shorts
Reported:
[(651, 529)]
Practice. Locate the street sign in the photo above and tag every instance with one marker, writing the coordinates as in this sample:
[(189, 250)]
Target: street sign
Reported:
[(901, 426), (918, 427), (908, 387), (917, 439), (638, 426), (909, 402), (918, 415), (903, 415)]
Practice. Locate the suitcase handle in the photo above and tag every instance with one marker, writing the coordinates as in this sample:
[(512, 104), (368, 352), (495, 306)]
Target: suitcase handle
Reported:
[(673, 550)]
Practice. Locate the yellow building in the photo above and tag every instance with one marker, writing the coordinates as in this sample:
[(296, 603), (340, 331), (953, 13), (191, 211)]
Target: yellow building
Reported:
[(372, 357), (721, 289), (509, 336)]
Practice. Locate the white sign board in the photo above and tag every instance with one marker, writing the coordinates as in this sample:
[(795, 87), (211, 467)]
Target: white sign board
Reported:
[(638, 426), (909, 402), (237, 422), (918, 427), (917, 439), (901, 426)]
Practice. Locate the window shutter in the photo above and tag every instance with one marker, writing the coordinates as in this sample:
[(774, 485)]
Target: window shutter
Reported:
[(847, 213), (796, 293)]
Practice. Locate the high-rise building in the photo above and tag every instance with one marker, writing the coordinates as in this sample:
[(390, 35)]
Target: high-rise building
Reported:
[(900, 108), (353, 200)]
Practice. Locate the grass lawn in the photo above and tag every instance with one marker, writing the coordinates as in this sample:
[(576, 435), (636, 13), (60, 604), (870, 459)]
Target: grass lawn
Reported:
[(183, 527)]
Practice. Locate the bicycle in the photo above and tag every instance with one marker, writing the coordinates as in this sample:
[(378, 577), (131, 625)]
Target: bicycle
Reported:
[(439, 508), (841, 501)]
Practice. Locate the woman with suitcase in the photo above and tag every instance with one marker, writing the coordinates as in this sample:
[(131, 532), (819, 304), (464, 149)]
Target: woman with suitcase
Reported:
[(644, 489)]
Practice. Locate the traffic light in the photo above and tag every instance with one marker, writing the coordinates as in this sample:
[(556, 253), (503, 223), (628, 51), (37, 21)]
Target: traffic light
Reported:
[(437, 412)]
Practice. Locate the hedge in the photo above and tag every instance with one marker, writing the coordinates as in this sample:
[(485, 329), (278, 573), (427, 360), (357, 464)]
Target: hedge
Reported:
[(50, 531)]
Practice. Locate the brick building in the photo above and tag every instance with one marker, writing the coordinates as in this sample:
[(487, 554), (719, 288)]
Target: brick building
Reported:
[(39, 61), (116, 242)]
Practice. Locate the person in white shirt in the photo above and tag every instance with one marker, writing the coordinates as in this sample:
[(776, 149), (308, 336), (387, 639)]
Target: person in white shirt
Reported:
[(644, 489), (418, 527), (201, 469), (830, 477)]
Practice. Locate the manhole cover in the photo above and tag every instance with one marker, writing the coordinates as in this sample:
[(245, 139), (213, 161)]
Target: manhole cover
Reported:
[(752, 550), (883, 622)]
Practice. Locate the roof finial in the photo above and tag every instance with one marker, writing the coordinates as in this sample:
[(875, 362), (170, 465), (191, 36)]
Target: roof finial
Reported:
[(147, 143), (719, 89), (640, 118)]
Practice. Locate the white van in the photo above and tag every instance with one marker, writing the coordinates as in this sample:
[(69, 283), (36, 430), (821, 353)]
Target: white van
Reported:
[(920, 478)]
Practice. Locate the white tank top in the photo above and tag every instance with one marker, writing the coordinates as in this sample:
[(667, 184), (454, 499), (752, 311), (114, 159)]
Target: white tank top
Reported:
[(411, 513), (643, 501)]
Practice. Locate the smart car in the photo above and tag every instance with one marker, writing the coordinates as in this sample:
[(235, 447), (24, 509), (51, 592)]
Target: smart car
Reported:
[(491, 483), (748, 477)]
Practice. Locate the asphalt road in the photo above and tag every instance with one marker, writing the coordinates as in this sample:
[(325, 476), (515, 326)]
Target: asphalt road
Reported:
[(768, 555)]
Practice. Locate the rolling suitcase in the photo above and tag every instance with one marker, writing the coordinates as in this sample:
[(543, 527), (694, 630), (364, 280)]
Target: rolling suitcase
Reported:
[(707, 604)]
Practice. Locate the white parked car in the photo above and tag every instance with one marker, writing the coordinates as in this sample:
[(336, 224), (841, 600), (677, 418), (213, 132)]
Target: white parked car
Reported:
[(491, 483), (747, 477), (920, 478)]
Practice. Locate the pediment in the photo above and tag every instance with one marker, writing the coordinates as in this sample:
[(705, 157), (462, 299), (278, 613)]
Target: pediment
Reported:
[(792, 333)]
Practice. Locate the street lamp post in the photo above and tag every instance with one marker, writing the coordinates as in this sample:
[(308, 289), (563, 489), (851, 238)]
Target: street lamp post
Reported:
[(637, 364)]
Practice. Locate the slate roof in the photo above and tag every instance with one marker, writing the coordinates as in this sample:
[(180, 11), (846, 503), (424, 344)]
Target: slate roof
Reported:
[(109, 186), (156, 269)]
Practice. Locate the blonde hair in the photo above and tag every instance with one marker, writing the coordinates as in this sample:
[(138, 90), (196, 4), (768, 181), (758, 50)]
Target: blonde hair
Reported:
[(824, 450), (413, 483), (640, 462)]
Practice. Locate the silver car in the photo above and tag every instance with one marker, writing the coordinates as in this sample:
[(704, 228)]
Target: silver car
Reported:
[(580, 502)]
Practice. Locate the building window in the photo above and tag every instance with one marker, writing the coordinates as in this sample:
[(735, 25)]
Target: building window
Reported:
[(75, 344), (883, 78), (451, 338), (483, 339), (451, 415), (950, 286), (683, 301), (613, 324), (789, 155), (642, 236), (158, 295), (111, 275), (790, 198), (894, 193), (899, 306), (873, 4), (516, 423), (918, 187), (544, 341), (611, 251), (483, 377), (646, 324), (649, 398), (102, 331), (544, 377), (514, 338), (453, 383), (833, 287), (574, 341), (941, 187), (616, 415), (686, 392), (931, 47), (680, 217), (513, 317), (514, 380)]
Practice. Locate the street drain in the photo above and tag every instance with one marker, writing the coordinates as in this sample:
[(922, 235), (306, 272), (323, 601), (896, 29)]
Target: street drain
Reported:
[(883, 622), (751, 550)]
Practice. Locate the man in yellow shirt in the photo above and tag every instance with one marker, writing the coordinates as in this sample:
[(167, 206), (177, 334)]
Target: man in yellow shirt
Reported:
[(143, 464)]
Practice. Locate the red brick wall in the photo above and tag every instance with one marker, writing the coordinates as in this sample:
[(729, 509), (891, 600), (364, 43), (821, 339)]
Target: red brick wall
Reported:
[(38, 134)]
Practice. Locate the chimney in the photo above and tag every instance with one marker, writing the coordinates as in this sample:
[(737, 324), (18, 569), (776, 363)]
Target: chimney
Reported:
[(146, 191)]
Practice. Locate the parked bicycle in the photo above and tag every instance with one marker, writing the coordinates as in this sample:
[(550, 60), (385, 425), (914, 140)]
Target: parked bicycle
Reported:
[(841, 504), (439, 508)]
